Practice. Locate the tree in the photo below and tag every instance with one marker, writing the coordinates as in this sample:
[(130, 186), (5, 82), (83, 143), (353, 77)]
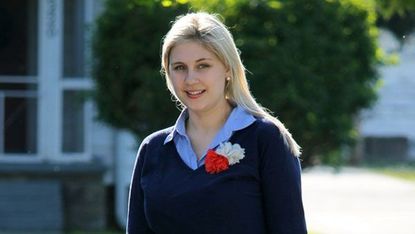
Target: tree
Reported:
[(390, 7), (397, 15), (130, 92), (311, 62)]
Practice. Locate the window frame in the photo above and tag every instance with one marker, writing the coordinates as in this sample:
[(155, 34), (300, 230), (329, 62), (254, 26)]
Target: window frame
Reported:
[(51, 85)]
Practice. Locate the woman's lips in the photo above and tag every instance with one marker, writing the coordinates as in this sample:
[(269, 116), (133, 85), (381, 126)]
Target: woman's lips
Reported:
[(194, 93)]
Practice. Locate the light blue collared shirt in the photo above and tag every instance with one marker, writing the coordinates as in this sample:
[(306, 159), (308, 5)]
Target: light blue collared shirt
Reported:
[(237, 120)]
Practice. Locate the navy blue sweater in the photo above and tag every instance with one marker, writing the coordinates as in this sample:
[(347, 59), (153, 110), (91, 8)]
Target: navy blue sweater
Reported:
[(261, 194)]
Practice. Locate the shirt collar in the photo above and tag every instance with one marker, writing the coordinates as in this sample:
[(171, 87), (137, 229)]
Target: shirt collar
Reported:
[(237, 120), (179, 127)]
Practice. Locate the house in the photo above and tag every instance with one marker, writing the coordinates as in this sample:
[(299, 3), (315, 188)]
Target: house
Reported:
[(59, 168), (388, 128)]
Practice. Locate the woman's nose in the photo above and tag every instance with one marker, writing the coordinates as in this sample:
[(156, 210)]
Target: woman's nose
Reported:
[(192, 77)]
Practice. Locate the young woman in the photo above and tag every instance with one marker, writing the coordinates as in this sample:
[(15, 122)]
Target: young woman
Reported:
[(226, 166)]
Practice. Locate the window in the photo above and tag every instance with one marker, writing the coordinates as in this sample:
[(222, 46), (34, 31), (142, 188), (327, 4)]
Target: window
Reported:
[(75, 109), (73, 122), (18, 81), (18, 38), (74, 39), (43, 77)]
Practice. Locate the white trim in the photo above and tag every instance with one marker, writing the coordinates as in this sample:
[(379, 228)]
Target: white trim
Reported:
[(50, 70), (20, 158), (88, 117), (19, 94), (77, 83), (72, 157), (18, 79)]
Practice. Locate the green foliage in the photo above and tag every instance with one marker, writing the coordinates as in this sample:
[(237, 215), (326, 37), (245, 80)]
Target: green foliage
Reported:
[(397, 15), (391, 7), (311, 62), (130, 92), (400, 24)]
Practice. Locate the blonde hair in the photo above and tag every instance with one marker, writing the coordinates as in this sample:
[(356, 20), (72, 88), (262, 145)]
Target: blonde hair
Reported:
[(208, 30)]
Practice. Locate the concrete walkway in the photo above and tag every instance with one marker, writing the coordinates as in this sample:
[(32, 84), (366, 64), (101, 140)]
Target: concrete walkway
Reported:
[(357, 201)]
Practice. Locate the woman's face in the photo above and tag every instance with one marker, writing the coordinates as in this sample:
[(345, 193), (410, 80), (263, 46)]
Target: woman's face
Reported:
[(198, 77)]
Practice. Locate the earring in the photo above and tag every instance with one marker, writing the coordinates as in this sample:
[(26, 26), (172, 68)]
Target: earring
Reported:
[(228, 78)]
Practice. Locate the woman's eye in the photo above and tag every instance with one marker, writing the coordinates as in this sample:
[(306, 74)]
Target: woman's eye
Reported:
[(201, 66), (179, 68)]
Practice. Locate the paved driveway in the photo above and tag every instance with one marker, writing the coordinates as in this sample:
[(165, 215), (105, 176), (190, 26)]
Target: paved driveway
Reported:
[(356, 201)]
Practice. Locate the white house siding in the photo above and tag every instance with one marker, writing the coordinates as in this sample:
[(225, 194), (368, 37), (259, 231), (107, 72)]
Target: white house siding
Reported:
[(103, 138), (393, 115)]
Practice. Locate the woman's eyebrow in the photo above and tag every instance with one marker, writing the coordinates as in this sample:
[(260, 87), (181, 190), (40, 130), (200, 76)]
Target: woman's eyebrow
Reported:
[(201, 59), (198, 60), (174, 63)]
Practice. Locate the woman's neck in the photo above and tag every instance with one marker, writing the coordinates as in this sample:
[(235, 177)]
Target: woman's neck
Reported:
[(208, 122)]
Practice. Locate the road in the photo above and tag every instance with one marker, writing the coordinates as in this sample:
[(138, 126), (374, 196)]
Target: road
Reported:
[(357, 201)]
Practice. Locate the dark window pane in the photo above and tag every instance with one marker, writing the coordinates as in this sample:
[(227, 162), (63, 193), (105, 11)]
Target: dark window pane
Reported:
[(18, 86), (74, 38), (73, 122), (18, 37), (20, 125)]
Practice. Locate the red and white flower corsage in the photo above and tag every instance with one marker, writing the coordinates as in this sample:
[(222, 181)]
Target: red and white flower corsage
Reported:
[(226, 154)]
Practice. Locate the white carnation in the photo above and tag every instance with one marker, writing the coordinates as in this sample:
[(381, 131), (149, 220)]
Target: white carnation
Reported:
[(234, 153)]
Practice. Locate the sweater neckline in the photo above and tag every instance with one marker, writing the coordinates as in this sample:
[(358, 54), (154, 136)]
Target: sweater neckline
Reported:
[(181, 162)]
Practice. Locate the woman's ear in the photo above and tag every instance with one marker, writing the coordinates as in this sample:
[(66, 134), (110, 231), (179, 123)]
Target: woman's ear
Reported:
[(228, 72)]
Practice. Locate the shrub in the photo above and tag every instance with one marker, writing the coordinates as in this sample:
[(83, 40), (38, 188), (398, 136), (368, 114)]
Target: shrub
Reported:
[(311, 62), (130, 92)]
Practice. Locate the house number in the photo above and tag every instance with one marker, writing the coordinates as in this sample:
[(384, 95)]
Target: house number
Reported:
[(51, 18)]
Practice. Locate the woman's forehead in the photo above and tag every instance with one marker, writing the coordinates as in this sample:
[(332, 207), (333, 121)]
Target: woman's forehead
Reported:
[(190, 51)]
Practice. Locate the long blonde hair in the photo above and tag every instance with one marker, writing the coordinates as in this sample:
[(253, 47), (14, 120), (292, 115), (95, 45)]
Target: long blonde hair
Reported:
[(208, 30)]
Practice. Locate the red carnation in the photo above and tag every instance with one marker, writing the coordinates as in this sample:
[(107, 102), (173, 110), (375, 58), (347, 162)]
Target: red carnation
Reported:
[(215, 163)]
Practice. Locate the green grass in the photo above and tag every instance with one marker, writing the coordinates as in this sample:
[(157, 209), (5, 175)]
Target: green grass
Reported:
[(400, 174), (312, 232), (405, 172)]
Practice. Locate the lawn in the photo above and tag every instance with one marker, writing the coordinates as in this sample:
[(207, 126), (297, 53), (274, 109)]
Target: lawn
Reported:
[(405, 172)]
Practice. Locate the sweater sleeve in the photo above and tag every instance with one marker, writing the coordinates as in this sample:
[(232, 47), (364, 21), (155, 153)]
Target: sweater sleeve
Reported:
[(136, 220), (281, 185)]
